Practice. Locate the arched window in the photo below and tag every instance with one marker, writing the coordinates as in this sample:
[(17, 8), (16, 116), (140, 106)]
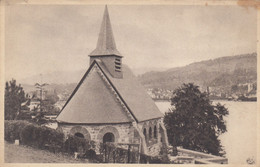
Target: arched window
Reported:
[(79, 135), (150, 133), (108, 137), (80, 132), (144, 132), (155, 131)]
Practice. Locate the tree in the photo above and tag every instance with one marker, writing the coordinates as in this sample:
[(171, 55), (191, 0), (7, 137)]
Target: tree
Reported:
[(14, 97), (194, 122), (49, 102)]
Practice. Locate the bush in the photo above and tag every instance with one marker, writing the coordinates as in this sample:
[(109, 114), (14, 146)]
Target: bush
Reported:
[(77, 144), (12, 129), (34, 135), (160, 160), (90, 154), (42, 137), (26, 135), (54, 137), (45, 138), (144, 158)]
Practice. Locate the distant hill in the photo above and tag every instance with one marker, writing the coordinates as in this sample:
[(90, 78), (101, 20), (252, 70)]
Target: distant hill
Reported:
[(58, 77), (68, 77), (59, 88), (221, 72)]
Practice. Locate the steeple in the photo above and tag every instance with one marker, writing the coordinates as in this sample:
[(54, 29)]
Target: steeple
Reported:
[(106, 49), (106, 44)]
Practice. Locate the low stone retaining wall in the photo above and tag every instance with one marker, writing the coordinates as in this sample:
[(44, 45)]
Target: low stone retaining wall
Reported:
[(194, 157)]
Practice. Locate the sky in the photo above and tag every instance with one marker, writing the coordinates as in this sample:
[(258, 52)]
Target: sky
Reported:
[(50, 38)]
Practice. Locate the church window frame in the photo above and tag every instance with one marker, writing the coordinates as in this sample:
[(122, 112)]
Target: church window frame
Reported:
[(150, 133), (155, 132), (145, 133)]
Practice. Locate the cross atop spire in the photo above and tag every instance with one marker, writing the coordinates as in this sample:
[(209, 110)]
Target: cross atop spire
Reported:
[(106, 44)]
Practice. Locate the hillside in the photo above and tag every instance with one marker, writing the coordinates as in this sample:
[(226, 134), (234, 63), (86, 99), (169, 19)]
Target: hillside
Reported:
[(57, 77), (221, 72), (25, 154), (68, 77)]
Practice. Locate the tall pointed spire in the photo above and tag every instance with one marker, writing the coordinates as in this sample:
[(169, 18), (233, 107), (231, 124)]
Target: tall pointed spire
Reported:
[(106, 44)]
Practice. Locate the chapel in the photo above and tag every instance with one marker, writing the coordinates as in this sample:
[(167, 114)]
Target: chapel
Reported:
[(110, 105)]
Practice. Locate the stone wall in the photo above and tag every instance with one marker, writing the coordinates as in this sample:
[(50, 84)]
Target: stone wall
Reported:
[(154, 136), (200, 158), (123, 133), (152, 140)]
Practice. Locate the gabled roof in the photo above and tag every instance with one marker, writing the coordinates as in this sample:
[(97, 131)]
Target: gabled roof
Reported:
[(92, 102), (106, 44), (134, 95)]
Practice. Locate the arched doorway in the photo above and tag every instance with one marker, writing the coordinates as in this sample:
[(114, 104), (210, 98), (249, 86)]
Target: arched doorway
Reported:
[(79, 135), (80, 148), (108, 137)]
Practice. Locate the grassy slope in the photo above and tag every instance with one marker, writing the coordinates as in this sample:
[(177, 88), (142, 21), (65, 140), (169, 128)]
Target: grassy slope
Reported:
[(24, 154)]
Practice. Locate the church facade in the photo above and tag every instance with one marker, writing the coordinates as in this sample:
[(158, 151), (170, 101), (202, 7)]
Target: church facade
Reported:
[(110, 105)]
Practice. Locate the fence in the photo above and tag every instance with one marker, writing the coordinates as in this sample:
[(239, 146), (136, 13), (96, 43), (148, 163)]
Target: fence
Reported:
[(127, 153), (120, 152)]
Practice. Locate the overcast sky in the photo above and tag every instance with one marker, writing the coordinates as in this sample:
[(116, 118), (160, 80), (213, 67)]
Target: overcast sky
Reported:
[(48, 38)]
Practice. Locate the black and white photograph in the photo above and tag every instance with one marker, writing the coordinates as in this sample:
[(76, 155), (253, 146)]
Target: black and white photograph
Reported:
[(97, 83)]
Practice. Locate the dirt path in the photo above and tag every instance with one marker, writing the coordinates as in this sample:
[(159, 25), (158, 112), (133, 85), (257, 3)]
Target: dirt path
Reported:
[(24, 154)]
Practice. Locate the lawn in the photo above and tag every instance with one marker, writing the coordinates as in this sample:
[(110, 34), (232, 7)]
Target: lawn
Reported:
[(25, 154)]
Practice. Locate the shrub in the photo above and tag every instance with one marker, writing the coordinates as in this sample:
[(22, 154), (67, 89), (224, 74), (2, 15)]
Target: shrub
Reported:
[(40, 137), (160, 160), (54, 137), (26, 135), (90, 154), (77, 144), (13, 128), (144, 158), (34, 135)]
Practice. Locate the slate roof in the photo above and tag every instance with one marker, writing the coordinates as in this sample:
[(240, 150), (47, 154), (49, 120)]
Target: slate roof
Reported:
[(133, 93), (92, 103), (106, 44)]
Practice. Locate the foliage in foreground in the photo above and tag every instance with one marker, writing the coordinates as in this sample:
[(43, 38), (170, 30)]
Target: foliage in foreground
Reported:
[(43, 137), (194, 122), (14, 97), (32, 135)]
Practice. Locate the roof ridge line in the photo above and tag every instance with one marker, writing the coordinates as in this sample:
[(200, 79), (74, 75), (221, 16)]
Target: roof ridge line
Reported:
[(122, 102), (77, 87)]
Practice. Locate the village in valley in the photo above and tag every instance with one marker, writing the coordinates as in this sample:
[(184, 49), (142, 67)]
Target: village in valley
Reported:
[(58, 95), (111, 115), (243, 92)]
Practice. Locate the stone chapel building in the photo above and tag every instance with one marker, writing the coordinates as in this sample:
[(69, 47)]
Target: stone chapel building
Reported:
[(109, 105)]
